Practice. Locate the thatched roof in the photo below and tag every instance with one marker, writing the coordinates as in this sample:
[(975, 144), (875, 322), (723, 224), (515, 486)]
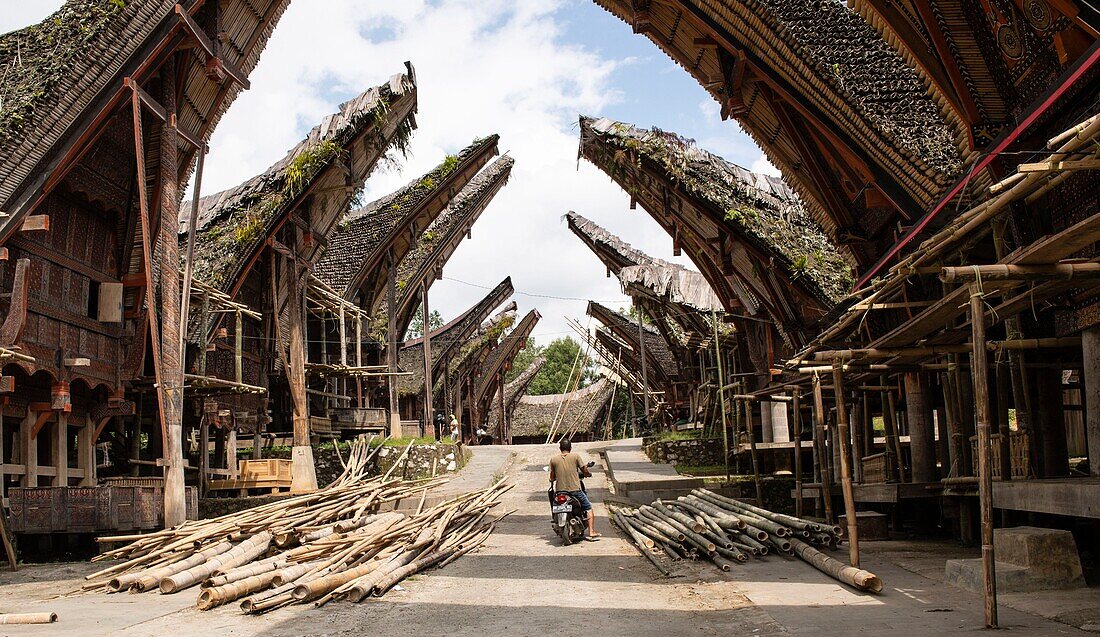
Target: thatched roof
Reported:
[(362, 232), (447, 341), (514, 390), (761, 208), (581, 411), (633, 267), (234, 223), (501, 356), (56, 77), (626, 328), (437, 244), (821, 93)]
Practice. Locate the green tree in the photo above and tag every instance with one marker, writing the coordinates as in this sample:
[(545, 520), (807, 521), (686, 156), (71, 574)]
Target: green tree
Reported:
[(416, 326), (523, 359), (560, 355)]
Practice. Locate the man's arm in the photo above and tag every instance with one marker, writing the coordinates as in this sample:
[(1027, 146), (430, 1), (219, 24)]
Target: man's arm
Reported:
[(551, 471), (584, 468)]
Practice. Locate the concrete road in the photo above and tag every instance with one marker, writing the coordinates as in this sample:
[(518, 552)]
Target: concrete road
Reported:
[(523, 582)]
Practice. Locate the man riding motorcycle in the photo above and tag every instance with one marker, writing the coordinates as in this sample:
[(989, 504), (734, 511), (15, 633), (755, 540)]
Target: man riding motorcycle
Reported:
[(566, 470)]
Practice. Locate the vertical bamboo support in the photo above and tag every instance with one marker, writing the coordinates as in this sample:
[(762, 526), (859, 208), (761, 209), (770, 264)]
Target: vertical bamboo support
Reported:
[(359, 359), (722, 396), (752, 450), (857, 438), (505, 436), (645, 368), (889, 432), (428, 384), (238, 348), (391, 344), (820, 430), (302, 468), (843, 437), (979, 370), (796, 424)]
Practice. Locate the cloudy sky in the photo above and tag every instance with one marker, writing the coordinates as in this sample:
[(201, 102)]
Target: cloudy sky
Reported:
[(520, 68)]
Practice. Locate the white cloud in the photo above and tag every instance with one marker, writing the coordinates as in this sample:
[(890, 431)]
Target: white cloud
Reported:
[(482, 67), (21, 13), (762, 165)]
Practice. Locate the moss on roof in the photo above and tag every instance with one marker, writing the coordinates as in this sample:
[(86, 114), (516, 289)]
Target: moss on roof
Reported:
[(33, 60), (760, 207), (234, 222)]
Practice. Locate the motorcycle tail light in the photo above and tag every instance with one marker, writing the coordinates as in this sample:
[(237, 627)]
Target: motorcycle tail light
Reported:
[(560, 498)]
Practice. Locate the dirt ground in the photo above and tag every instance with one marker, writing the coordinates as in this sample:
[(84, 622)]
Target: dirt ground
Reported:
[(523, 582)]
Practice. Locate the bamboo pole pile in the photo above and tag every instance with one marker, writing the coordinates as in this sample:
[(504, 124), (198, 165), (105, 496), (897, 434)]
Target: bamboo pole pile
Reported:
[(335, 543), (706, 525)]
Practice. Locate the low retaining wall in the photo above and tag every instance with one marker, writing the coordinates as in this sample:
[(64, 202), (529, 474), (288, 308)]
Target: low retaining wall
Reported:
[(695, 452)]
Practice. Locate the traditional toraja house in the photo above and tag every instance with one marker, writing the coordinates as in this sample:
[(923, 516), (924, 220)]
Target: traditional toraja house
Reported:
[(106, 107), (424, 263), (677, 301), (977, 307), (503, 406), (446, 345), (836, 109), (578, 415), (750, 235), (489, 378), (355, 269), (466, 365), (255, 245), (649, 358)]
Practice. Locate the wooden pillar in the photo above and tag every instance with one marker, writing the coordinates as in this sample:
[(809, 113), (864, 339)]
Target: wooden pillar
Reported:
[(60, 450), (391, 344), (922, 440), (1090, 349), (505, 436), (796, 424), (429, 385), (85, 454), (167, 257), (1051, 424), (844, 436), (721, 393), (826, 487), (28, 448), (979, 370), (645, 366), (231, 453), (890, 432), (767, 434), (303, 472), (204, 455)]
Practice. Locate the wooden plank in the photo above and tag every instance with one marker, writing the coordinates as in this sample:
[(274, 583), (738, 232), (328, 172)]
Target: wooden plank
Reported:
[(35, 223)]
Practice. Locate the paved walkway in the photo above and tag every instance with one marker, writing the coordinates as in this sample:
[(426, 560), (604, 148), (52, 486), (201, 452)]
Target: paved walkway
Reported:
[(523, 582)]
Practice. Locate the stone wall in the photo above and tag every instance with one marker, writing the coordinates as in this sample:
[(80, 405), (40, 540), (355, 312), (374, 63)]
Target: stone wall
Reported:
[(695, 452), (446, 457)]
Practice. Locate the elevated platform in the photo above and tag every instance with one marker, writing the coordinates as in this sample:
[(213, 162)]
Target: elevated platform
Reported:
[(641, 480)]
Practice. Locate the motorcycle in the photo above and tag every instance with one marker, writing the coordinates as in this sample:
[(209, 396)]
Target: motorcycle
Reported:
[(567, 518)]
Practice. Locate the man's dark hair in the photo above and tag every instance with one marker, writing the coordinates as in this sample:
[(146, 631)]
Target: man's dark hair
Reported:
[(565, 445)]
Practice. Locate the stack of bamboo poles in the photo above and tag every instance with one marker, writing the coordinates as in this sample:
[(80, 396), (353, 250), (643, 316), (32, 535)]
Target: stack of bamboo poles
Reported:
[(331, 544), (727, 531)]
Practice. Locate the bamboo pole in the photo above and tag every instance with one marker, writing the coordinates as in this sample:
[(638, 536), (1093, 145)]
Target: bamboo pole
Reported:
[(28, 618), (843, 437), (980, 373), (826, 485), (796, 424), (721, 396)]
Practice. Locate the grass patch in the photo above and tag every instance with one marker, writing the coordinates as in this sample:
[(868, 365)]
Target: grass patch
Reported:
[(404, 442), (701, 470), (667, 436)]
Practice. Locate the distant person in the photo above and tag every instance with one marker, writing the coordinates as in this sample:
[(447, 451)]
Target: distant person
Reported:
[(455, 433), (439, 425), (483, 437), (566, 471)]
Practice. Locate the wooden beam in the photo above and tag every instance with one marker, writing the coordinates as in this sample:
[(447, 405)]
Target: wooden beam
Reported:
[(35, 223), (1011, 272), (77, 362), (1047, 166)]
